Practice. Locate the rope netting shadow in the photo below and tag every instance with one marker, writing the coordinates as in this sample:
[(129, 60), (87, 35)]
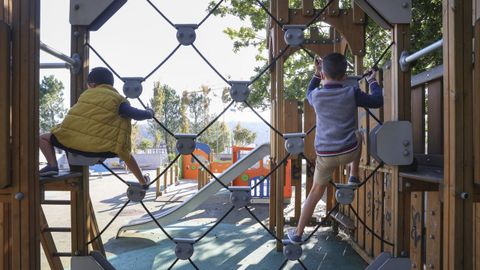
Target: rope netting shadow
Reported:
[(240, 197)]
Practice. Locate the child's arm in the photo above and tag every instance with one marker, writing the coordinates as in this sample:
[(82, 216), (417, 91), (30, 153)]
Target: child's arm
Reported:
[(372, 100), (127, 111), (315, 81)]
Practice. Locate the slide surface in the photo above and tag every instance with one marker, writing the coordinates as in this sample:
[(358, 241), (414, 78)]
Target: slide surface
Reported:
[(176, 213)]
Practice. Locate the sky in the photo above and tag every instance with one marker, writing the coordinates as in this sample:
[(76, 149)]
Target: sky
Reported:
[(136, 39)]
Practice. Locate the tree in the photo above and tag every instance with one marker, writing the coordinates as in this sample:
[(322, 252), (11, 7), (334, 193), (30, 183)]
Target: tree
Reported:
[(52, 109), (243, 136), (218, 136), (145, 144), (426, 28), (134, 136), (198, 103), (166, 104)]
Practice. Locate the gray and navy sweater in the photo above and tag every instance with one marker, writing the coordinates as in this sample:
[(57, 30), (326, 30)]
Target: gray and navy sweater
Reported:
[(127, 111), (335, 107)]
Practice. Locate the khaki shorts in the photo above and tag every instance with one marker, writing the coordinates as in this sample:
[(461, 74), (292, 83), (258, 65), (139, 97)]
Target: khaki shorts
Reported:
[(325, 166)]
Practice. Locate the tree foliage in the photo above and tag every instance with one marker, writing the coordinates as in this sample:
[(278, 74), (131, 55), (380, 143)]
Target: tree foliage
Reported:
[(166, 104), (198, 103), (426, 28), (52, 109), (145, 144), (243, 136), (218, 136)]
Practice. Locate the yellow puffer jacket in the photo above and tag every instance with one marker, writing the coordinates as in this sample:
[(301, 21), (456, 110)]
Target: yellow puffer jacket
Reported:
[(94, 125)]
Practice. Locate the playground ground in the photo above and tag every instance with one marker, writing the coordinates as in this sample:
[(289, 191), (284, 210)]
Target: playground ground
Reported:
[(236, 243)]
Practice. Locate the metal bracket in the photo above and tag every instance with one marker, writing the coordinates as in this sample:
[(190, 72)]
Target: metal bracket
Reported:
[(291, 251), (240, 196), (77, 64), (239, 91), (294, 35), (93, 13), (184, 248), (392, 143), (186, 33), (132, 86), (345, 193), (386, 13), (136, 192), (294, 143), (185, 143)]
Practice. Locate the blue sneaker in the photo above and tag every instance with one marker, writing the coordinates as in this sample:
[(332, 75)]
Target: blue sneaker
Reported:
[(49, 170), (352, 180), (294, 238), (147, 181)]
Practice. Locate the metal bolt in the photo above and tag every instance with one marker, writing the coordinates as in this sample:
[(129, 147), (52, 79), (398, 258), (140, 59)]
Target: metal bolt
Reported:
[(432, 213), (430, 266), (414, 195), (464, 195), (281, 19), (405, 5), (407, 184), (308, 11), (406, 152), (432, 236), (76, 34), (19, 196), (295, 13), (76, 7), (414, 265), (406, 142), (361, 19)]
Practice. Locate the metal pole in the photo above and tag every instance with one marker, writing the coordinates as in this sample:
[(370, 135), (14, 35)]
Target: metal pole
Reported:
[(54, 65), (406, 58), (73, 62)]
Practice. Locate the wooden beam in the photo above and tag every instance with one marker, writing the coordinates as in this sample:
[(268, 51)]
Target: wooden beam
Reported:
[(5, 179), (400, 110), (458, 127)]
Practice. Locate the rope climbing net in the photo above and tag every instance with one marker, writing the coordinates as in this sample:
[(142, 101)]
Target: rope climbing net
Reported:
[(240, 197)]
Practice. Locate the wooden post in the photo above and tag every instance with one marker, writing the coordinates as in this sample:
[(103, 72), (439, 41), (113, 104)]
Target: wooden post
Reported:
[(176, 173), (158, 192), (170, 172), (400, 111), (458, 142), (20, 199), (5, 179)]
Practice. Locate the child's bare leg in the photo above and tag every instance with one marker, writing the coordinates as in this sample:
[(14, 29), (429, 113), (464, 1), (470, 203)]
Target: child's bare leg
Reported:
[(354, 165), (47, 149), (314, 196), (133, 166)]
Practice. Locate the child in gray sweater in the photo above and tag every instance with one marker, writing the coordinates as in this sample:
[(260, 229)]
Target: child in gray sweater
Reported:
[(337, 140)]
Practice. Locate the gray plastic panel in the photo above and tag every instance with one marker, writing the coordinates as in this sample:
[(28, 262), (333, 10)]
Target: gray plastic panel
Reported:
[(392, 143)]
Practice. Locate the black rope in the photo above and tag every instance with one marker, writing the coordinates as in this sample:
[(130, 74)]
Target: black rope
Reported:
[(210, 13), (115, 174), (194, 265), (307, 51), (283, 264), (109, 223), (311, 129), (156, 119), (161, 14), (155, 220), (163, 62), (210, 172), (210, 65), (370, 175), (270, 65), (215, 225), (164, 170), (173, 264), (269, 13), (319, 13), (368, 229), (324, 220), (263, 120), (103, 60), (215, 119), (265, 227), (374, 116), (271, 171), (301, 263), (375, 65)]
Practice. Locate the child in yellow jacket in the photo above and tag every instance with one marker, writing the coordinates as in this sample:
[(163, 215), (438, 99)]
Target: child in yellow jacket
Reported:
[(98, 125)]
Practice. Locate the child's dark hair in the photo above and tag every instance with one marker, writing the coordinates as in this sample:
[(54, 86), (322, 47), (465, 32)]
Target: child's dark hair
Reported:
[(100, 75), (334, 65)]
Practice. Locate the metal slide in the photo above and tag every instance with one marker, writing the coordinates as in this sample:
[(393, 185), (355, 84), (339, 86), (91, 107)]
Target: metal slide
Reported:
[(176, 213)]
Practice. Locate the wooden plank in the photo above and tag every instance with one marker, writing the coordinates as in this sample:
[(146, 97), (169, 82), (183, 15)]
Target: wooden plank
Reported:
[(400, 110), (94, 231), (309, 122), (307, 8), (378, 212), (435, 117), (388, 212), (418, 119), (361, 212), (48, 244), (5, 179), (416, 228), (433, 231), (476, 100), (5, 234), (293, 124), (458, 127), (369, 208)]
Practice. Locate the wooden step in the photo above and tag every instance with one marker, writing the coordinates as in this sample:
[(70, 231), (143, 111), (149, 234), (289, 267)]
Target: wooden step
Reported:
[(56, 202), (62, 254), (57, 229)]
